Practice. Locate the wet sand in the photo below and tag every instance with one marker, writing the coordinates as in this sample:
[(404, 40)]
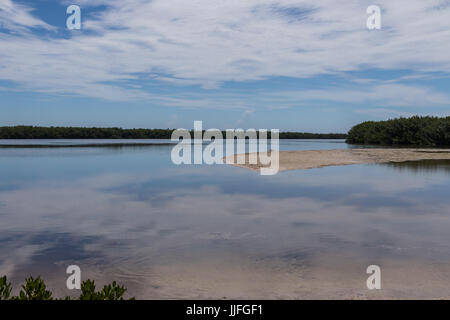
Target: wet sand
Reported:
[(295, 160), (324, 276)]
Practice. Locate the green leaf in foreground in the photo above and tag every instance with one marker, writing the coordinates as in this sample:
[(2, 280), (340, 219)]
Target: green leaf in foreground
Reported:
[(36, 289), (5, 288)]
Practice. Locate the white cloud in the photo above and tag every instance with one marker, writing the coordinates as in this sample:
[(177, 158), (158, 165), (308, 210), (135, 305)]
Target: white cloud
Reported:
[(17, 17), (382, 112), (382, 94), (207, 42)]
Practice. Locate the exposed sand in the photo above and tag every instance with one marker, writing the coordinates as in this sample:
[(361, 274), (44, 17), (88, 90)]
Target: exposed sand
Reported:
[(321, 276), (294, 160)]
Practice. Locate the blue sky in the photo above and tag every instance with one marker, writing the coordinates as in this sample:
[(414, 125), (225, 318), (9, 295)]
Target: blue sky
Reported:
[(292, 65)]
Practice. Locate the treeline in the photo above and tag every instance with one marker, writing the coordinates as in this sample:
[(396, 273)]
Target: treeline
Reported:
[(31, 132), (417, 131), (307, 135)]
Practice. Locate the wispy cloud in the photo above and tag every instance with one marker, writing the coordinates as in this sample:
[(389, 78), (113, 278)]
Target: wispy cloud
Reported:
[(383, 113), (206, 43), (19, 18), (385, 94)]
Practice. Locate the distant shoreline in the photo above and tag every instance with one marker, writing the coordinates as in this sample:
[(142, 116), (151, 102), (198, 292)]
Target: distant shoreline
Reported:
[(84, 145), (31, 132), (88, 143)]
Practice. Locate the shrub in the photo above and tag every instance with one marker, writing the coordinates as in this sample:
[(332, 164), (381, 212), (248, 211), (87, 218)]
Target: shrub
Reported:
[(5, 288), (36, 289)]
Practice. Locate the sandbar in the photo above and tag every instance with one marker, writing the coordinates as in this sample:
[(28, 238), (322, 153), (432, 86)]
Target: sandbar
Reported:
[(309, 159)]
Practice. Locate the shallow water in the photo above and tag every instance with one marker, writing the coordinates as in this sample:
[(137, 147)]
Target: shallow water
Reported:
[(167, 231)]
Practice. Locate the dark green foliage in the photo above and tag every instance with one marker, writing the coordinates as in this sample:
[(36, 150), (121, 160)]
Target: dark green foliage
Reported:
[(35, 289), (417, 131), (29, 132), (5, 288), (307, 135), (112, 292), (88, 291), (109, 292)]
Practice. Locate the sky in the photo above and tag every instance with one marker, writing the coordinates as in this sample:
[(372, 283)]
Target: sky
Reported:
[(299, 65)]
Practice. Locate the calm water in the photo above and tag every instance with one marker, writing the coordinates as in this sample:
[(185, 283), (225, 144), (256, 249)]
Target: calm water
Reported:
[(166, 231)]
